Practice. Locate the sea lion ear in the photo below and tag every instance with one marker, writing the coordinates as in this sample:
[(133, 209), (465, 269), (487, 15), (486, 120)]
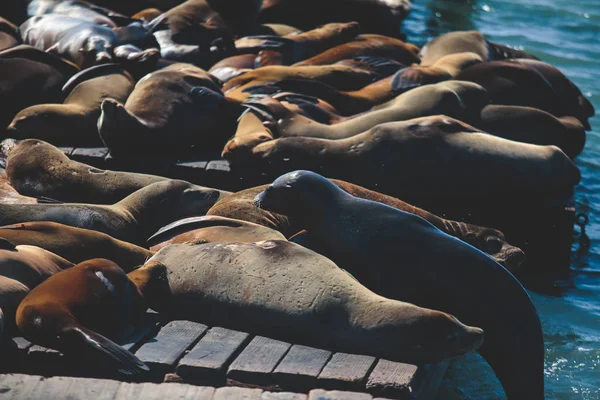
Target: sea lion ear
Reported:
[(6, 244)]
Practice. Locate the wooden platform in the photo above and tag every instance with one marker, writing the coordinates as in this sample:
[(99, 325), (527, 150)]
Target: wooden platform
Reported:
[(193, 353)]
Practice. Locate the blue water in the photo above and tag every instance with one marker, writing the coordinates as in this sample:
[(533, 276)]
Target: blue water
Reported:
[(565, 33)]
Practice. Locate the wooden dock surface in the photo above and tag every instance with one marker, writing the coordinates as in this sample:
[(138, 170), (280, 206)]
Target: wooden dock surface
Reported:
[(193, 353)]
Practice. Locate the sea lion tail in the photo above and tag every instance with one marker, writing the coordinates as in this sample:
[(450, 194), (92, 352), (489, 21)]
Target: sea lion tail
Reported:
[(89, 345)]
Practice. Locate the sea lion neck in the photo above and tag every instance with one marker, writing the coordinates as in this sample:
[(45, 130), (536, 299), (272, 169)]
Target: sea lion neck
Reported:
[(152, 282)]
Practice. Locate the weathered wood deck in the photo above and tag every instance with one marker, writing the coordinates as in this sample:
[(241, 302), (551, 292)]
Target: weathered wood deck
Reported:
[(193, 353)]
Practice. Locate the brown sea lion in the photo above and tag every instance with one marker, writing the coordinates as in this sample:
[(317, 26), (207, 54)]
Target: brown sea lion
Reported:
[(181, 102), (133, 219), (24, 69), (21, 269), (367, 45), (76, 244), (147, 14), (77, 310), (241, 206), (8, 194), (300, 46), (339, 76), (444, 157), (461, 100), (276, 29), (208, 229), (379, 16), (282, 290), (77, 9), (530, 125), (87, 44), (73, 123), (402, 256), (467, 41), (39, 169), (9, 34), (233, 66)]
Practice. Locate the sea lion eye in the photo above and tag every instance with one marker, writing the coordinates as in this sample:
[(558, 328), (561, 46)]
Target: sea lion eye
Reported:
[(493, 244)]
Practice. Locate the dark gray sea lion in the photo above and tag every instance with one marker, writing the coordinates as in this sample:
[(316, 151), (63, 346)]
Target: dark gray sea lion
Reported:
[(77, 9), (402, 256)]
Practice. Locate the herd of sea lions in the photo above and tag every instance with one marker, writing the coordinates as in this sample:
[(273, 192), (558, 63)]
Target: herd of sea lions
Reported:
[(292, 87)]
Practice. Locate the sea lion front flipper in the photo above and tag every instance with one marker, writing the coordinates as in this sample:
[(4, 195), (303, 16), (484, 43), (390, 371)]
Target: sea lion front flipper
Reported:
[(6, 244), (48, 200), (89, 345)]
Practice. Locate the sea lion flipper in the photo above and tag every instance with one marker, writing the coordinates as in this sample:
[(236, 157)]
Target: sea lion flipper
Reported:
[(48, 200), (90, 345), (6, 244)]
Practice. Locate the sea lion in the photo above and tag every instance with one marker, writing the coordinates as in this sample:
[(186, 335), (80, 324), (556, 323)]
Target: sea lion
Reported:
[(24, 69), (38, 169), (181, 102), (530, 125), (208, 229), (133, 219), (276, 29), (233, 66), (241, 206), (76, 244), (339, 76), (73, 123), (461, 100), (300, 46), (85, 43), (467, 41), (21, 269), (367, 45), (530, 84), (287, 292), (77, 9), (402, 256), (379, 16), (77, 310), (444, 157), (9, 34), (147, 14), (8, 194)]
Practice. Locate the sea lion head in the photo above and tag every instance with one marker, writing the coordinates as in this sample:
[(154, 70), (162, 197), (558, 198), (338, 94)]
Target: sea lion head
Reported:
[(44, 121), (493, 242), (294, 191)]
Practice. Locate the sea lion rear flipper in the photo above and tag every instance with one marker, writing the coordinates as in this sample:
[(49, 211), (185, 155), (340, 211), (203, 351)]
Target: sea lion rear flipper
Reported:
[(89, 345)]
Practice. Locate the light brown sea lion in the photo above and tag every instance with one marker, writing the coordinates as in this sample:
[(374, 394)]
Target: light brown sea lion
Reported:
[(241, 206), (74, 123), (208, 229), (133, 219), (276, 29), (434, 157), (402, 256), (379, 16), (24, 69), (76, 244), (530, 125), (461, 100), (467, 41), (87, 44), (181, 102), (9, 34), (287, 292), (300, 46), (77, 310), (367, 45), (39, 169), (77, 9), (21, 269), (8, 194), (147, 14)]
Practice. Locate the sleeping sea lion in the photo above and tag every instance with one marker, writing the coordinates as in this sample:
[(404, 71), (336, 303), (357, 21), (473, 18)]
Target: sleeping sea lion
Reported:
[(9, 34), (233, 66), (133, 219), (21, 269), (241, 206), (168, 112), (8, 194), (76, 244), (77, 310), (73, 123), (282, 290), (28, 169), (208, 229), (402, 256), (77, 9)]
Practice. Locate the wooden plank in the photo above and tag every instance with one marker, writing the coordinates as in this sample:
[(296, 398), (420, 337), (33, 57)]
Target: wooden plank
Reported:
[(207, 362), (283, 396), (92, 389), (86, 154), (18, 386), (219, 165), (299, 369), (149, 325), (22, 343), (258, 360), (346, 372), (163, 391), (237, 393), (52, 388), (169, 345), (320, 394), (66, 150), (392, 379)]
